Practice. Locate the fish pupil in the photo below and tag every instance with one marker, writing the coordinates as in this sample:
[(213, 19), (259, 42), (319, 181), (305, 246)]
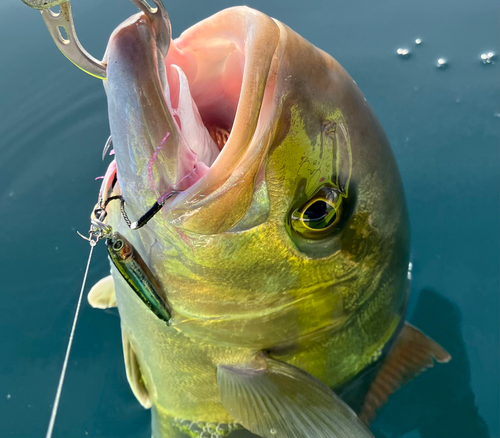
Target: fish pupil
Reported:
[(319, 215)]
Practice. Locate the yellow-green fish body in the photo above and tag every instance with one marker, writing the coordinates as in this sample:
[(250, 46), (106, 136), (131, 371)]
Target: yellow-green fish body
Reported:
[(288, 252)]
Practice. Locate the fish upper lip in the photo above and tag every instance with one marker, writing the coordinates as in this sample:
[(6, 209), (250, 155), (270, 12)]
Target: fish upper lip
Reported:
[(218, 198)]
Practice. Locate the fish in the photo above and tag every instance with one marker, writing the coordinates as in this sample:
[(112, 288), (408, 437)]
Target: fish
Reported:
[(284, 253)]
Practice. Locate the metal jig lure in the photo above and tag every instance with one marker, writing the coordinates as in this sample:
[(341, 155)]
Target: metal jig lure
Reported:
[(137, 274), (130, 265)]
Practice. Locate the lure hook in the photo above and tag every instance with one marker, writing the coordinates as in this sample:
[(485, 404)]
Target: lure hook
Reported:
[(98, 229), (109, 141)]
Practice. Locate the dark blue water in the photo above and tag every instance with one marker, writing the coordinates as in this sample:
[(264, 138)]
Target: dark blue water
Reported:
[(443, 125)]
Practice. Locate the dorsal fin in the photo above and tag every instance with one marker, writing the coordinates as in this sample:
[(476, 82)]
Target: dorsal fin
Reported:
[(412, 353)]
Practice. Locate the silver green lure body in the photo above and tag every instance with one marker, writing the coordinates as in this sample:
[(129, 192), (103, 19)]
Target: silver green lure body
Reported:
[(136, 273)]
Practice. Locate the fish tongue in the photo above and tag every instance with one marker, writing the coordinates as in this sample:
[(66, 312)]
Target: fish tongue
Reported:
[(151, 154), (194, 132)]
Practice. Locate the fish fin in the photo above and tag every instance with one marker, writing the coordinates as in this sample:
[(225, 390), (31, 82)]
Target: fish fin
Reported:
[(276, 400), (412, 353), (134, 375), (102, 295)]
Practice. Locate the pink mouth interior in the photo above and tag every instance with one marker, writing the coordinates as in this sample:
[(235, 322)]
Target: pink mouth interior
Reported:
[(214, 95), (207, 74), (204, 79)]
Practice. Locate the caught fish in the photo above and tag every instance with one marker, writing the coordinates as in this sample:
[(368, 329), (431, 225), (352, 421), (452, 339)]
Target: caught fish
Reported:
[(283, 255)]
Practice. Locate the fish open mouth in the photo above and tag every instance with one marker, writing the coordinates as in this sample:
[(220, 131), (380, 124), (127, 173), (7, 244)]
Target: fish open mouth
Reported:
[(194, 115)]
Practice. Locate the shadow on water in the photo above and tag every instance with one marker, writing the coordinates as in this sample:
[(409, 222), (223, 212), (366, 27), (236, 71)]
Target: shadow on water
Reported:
[(439, 402)]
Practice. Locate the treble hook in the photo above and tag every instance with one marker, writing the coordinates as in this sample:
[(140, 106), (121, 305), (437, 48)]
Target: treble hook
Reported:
[(98, 229)]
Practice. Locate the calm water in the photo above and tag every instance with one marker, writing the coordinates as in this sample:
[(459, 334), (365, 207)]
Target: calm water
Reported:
[(444, 128)]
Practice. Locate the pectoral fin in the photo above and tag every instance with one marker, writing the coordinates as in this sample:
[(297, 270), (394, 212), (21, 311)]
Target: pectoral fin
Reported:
[(102, 295), (276, 400), (412, 353), (134, 375)]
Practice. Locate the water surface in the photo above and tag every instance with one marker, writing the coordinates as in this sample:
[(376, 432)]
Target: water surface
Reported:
[(442, 124)]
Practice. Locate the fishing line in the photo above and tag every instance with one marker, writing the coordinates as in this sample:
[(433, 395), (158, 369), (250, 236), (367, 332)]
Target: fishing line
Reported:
[(68, 349)]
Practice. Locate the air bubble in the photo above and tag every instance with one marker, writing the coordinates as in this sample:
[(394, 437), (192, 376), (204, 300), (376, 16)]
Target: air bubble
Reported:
[(442, 63), (488, 58), (418, 41), (403, 53), (273, 431)]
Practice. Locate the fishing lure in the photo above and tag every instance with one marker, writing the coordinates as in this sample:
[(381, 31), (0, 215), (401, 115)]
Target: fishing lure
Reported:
[(127, 259), (137, 274)]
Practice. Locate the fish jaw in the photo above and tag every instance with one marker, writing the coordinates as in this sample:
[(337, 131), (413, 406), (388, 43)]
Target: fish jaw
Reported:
[(160, 109), (151, 156)]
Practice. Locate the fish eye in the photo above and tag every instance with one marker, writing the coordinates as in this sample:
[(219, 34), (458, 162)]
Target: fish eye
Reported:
[(117, 245), (318, 217)]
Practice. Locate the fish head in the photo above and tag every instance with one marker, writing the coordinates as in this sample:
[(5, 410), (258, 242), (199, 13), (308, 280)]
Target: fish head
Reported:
[(289, 214)]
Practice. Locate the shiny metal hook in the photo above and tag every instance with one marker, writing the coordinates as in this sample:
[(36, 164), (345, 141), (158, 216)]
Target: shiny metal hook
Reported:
[(100, 229), (161, 23), (43, 4), (106, 147), (91, 239), (70, 46)]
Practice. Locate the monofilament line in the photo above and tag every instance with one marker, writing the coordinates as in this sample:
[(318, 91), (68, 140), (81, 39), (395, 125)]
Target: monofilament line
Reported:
[(68, 349)]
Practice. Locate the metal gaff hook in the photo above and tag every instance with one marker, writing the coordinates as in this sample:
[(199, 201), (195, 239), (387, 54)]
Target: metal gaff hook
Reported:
[(161, 23), (70, 46)]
